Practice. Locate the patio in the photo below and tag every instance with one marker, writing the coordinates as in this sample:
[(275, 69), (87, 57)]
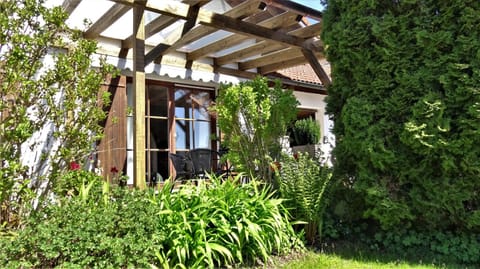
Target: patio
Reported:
[(189, 44)]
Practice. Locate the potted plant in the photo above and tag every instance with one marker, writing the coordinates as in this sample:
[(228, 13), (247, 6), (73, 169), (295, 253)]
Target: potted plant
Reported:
[(305, 136)]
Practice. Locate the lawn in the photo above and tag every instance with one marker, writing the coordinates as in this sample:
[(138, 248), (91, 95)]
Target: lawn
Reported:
[(320, 260), (315, 260)]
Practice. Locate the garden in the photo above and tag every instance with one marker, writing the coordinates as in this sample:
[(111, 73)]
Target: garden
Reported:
[(402, 191)]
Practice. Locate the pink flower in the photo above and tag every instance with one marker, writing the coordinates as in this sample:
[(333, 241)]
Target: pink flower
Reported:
[(74, 166)]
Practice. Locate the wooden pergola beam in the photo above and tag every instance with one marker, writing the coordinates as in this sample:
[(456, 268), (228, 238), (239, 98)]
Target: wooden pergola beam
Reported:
[(252, 75), (295, 7), (187, 26), (219, 21), (139, 164), (307, 31), (283, 19), (263, 46), (70, 5), (111, 16), (235, 72), (266, 69), (244, 9), (159, 23), (322, 75), (228, 41), (254, 49), (151, 28), (279, 55)]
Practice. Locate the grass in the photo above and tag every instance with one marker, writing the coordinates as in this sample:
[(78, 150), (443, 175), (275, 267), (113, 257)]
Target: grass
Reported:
[(348, 257), (321, 260)]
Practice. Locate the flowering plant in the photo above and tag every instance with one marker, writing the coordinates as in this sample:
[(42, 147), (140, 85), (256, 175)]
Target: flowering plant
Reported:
[(69, 183), (118, 177)]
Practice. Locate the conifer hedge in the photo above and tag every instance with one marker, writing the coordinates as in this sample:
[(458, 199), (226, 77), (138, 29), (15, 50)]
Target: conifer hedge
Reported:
[(405, 101)]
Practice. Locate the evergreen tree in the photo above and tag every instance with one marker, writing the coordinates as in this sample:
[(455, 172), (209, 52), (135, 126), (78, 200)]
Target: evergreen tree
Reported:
[(405, 101)]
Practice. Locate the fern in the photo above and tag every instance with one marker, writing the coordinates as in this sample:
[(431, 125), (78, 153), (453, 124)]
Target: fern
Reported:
[(303, 182)]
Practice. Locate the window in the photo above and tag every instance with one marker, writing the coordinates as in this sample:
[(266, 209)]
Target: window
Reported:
[(176, 120)]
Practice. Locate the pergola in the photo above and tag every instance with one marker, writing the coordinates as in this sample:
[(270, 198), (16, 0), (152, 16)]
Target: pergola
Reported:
[(248, 38)]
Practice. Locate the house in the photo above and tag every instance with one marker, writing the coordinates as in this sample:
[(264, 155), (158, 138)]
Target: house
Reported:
[(174, 54)]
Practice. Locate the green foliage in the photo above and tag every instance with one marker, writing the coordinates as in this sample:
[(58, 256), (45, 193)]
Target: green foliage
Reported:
[(405, 101), (461, 248), (437, 247), (213, 225), (43, 106), (253, 117), (306, 132), (304, 183), (71, 182)]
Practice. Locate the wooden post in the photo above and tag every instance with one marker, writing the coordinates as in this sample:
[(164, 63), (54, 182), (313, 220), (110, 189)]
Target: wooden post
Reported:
[(139, 95)]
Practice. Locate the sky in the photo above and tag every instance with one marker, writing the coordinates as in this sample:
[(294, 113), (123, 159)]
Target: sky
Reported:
[(315, 4)]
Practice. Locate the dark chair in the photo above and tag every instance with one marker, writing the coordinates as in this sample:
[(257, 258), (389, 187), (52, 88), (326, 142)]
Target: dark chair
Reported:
[(204, 161), (183, 166)]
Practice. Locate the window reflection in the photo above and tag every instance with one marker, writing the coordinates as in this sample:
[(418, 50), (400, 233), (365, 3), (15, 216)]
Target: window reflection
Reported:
[(192, 129)]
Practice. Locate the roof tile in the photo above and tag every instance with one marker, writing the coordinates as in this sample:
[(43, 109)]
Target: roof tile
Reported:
[(303, 73)]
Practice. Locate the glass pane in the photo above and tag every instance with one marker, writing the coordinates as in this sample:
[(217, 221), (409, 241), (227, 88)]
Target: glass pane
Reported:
[(202, 134), (182, 128), (158, 133), (201, 101), (130, 167), (158, 100), (201, 113), (129, 132), (159, 166), (183, 104)]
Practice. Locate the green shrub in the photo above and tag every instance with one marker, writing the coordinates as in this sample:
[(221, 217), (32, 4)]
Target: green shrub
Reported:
[(306, 131), (253, 118), (216, 224), (405, 101), (69, 183), (303, 183), (426, 246), (444, 246)]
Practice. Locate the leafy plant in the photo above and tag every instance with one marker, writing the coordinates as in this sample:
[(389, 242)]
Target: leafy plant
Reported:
[(427, 246), (216, 224), (49, 98), (70, 183), (303, 183), (306, 132), (253, 117)]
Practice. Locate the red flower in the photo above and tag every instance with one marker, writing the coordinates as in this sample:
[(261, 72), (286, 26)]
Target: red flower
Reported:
[(74, 166), (114, 170), (295, 156)]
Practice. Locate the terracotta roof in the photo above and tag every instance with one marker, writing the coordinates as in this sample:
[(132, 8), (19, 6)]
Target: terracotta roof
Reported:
[(303, 73)]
